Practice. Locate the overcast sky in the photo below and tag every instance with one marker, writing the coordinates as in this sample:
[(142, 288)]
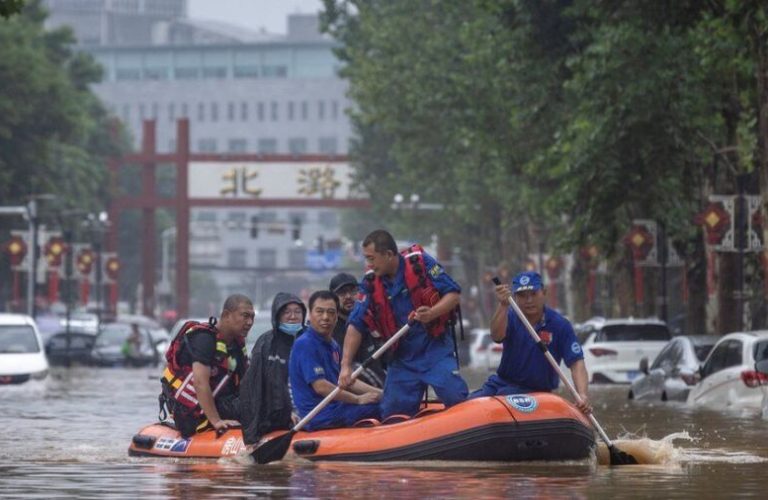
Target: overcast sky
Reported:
[(253, 14)]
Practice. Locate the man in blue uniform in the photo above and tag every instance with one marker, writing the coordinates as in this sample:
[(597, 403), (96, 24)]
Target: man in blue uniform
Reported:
[(314, 367), (523, 367), (423, 356)]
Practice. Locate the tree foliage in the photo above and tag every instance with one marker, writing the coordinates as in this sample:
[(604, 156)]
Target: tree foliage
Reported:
[(556, 120)]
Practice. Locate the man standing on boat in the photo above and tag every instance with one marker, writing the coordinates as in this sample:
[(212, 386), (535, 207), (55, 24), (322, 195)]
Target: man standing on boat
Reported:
[(314, 367), (396, 288), (206, 362), (523, 367), (345, 287)]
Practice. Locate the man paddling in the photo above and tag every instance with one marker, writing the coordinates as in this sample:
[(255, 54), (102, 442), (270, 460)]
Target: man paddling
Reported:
[(523, 368)]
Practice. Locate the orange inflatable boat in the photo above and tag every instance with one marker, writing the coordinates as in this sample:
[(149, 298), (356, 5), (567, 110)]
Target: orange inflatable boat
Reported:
[(522, 427)]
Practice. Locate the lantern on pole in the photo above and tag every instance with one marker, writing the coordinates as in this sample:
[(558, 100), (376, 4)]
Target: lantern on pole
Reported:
[(84, 263), (641, 243), (16, 249), (54, 251)]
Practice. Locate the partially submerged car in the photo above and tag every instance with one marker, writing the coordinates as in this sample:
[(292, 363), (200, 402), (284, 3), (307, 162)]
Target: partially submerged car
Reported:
[(673, 372), (67, 348), (21, 350), (729, 378), (117, 345)]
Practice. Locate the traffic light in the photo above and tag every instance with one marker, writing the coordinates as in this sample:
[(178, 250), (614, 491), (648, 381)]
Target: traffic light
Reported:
[(254, 226)]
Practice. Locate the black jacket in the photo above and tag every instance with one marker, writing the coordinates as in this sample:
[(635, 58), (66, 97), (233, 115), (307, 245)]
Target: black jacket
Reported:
[(264, 395)]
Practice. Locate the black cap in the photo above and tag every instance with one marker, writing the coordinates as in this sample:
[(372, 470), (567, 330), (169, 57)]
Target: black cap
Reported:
[(340, 281)]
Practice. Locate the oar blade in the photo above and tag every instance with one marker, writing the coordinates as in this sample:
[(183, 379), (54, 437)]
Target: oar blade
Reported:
[(619, 457), (274, 449)]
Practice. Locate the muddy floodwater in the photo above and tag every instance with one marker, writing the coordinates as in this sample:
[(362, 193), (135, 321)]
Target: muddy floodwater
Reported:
[(67, 437)]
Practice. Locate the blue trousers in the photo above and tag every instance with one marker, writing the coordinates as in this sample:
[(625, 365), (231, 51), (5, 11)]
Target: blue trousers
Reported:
[(338, 414), (496, 386), (405, 387)]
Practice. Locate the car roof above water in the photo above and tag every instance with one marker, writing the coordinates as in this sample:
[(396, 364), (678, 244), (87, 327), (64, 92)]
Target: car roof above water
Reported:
[(15, 319)]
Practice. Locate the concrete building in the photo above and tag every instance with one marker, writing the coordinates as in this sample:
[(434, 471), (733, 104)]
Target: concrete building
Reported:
[(243, 92)]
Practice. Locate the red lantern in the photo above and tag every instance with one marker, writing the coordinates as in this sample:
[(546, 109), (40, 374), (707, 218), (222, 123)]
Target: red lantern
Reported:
[(112, 268), (640, 241), (553, 267), (716, 221), (54, 250), (85, 258), (16, 249)]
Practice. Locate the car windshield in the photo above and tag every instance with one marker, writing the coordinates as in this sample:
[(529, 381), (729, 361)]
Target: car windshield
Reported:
[(633, 333), (113, 335), (18, 339)]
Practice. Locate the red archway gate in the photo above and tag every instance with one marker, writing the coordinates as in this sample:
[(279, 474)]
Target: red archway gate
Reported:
[(220, 180)]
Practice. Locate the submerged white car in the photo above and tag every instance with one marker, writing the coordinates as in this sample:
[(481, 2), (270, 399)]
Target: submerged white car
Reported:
[(484, 353), (22, 356), (729, 378), (613, 348)]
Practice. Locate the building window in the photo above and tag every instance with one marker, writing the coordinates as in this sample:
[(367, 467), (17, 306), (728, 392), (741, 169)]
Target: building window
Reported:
[(231, 111), (235, 221), (304, 110), (184, 110), (321, 110), (171, 112), (327, 146), (214, 112), (273, 111), (267, 258), (201, 112), (156, 74), (128, 74), (186, 73), (236, 257), (244, 111), (334, 110), (267, 146), (155, 110), (126, 113), (207, 216), (246, 72), (260, 111), (274, 71), (238, 145), (297, 258), (297, 146), (141, 111), (216, 72), (206, 145), (291, 105)]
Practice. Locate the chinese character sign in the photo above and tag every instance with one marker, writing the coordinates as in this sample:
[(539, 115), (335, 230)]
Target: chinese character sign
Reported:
[(272, 181)]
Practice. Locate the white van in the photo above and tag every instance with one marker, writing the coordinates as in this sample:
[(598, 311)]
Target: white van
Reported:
[(22, 356)]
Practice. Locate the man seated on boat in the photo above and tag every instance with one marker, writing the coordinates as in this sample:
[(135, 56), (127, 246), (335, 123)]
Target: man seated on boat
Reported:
[(523, 367), (397, 285), (346, 288), (264, 394), (205, 365), (314, 368)]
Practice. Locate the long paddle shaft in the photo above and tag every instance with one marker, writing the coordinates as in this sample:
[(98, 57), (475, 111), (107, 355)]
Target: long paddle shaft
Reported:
[(276, 448), (554, 364), (376, 355)]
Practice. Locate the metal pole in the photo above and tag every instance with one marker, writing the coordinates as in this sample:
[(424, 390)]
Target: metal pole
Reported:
[(99, 263), (741, 212), (68, 265), (33, 253), (663, 257)]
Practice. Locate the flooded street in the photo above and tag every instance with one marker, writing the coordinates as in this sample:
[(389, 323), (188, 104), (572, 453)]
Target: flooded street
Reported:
[(67, 437)]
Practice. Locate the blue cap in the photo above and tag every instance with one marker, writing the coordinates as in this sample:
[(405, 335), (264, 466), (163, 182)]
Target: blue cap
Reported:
[(528, 280)]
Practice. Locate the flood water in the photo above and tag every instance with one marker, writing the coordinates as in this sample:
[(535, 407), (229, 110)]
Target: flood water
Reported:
[(67, 437)]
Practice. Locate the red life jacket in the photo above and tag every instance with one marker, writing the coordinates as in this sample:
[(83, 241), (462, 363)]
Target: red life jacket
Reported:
[(379, 317), (177, 378)]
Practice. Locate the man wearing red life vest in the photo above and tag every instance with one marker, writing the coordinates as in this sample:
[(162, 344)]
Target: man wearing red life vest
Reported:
[(205, 366), (397, 286)]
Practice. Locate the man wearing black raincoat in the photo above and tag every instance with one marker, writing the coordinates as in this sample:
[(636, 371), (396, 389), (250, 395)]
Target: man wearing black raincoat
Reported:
[(264, 393)]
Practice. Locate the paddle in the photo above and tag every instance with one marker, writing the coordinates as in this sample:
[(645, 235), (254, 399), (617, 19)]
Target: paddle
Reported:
[(276, 448), (618, 457)]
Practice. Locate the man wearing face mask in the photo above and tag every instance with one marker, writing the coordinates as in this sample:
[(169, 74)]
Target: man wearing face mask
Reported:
[(265, 398)]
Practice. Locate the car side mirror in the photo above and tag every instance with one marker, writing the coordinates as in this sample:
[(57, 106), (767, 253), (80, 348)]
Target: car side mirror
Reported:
[(762, 366), (644, 366)]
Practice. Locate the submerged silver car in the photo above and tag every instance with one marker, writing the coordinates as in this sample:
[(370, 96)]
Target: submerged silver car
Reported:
[(673, 372)]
